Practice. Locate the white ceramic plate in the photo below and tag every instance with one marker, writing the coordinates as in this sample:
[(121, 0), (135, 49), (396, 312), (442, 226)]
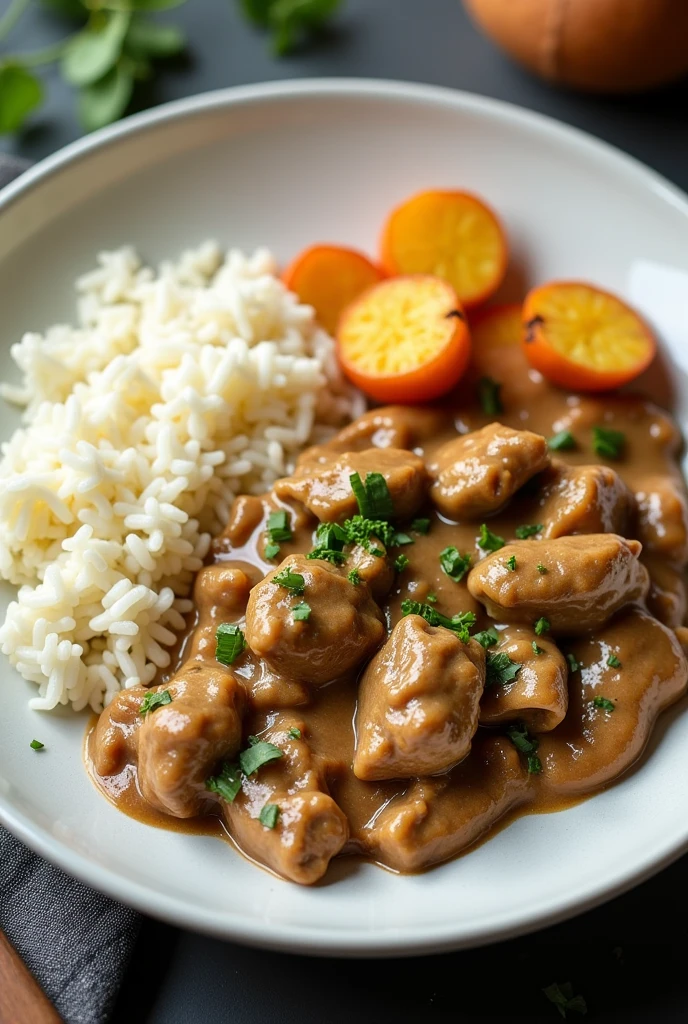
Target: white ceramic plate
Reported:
[(285, 165)]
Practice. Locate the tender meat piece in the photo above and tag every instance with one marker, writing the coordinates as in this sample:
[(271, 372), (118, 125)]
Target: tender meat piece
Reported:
[(418, 702), (114, 740), (666, 599), (579, 499), (392, 426), (220, 594), (181, 743), (538, 695), (592, 746), (662, 518), (586, 579), (437, 818), (478, 473), (245, 516), (310, 829), (344, 628), (376, 572), (321, 481)]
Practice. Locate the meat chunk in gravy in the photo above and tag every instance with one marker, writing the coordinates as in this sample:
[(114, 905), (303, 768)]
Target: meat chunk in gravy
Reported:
[(418, 702), (538, 694), (343, 628), (322, 481), (579, 499), (477, 474), (575, 583), (662, 518)]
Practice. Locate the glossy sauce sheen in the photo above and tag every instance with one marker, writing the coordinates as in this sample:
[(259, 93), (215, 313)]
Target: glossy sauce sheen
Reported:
[(410, 823)]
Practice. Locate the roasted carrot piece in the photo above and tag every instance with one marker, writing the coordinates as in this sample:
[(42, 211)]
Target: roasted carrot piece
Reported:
[(452, 235), (329, 277), (581, 337), (405, 339)]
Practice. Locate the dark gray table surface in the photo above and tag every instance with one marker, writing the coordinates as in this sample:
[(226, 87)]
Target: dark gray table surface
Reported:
[(627, 957)]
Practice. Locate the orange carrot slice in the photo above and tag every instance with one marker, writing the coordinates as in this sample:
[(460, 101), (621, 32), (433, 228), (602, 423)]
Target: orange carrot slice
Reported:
[(405, 340), (583, 338), (452, 235), (329, 277)]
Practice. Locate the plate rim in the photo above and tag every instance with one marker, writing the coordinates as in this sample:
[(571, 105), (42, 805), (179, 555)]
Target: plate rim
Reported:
[(292, 937)]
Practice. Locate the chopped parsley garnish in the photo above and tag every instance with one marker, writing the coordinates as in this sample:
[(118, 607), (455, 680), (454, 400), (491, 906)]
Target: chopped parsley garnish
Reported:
[(269, 815), (257, 754), (542, 626), (354, 577), (331, 539), (542, 569), (563, 998), (401, 538), (537, 649), (293, 581), (500, 669), (511, 562), (489, 395), (227, 783), (613, 661), (36, 745), (604, 703), (486, 637), (564, 441), (525, 744), (489, 541), (294, 733), (155, 700), (454, 564), (230, 643), (328, 555), (378, 552), (608, 443), (301, 612), (574, 664), (373, 497), (432, 598), (527, 530), (359, 530), (421, 526), (458, 624), (400, 563), (271, 550), (278, 526)]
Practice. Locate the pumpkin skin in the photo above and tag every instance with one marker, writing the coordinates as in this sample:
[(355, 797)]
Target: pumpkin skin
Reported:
[(609, 46)]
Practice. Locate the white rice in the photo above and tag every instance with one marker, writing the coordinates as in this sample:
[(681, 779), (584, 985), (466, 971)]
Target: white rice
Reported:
[(175, 392)]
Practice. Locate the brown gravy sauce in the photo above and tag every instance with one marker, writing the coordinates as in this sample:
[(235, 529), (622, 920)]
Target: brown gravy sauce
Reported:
[(652, 443)]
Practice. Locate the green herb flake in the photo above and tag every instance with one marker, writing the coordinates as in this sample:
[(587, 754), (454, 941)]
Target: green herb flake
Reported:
[(36, 745), (269, 815), (361, 531), (487, 637), (542, 569), (542, 626), (521, 738), (564, 441), (229, 643), (432, 598), (401, 538), (271, 551), (327, 555), (613, 661), (528, 530), (537, 649), (490, 397), (500, 669), (604, 703), (278, 526), (373, 497), (563, 998), (257, 754), (400, 563), (354, 577), (294, 733), (293, 581), (301, 612), (226, 783), (421, 526), (574, 664), (454, 564), (608, 443), (154, 700), (511, 562), (534, 764), (458, 624), (489, 541)]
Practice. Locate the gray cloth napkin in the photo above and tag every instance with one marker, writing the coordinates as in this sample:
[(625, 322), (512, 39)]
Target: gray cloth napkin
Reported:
[(75, 942)]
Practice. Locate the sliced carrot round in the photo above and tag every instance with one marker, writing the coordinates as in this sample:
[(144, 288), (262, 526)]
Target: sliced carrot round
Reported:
[(452, 235), (583, 338), (329, 277), (405, 340)]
